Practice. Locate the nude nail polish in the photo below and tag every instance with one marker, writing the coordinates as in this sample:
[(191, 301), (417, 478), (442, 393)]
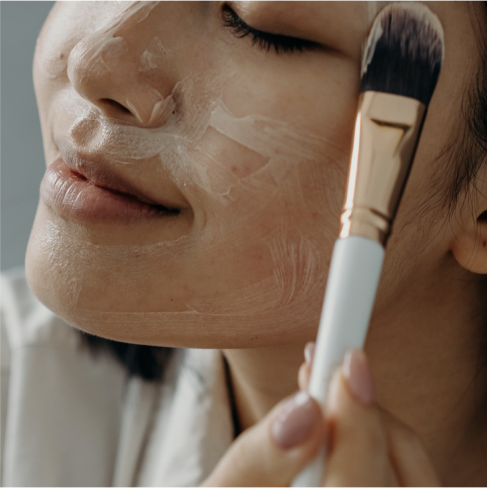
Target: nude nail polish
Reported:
[(296, 421), (358, 376), (309, 352)]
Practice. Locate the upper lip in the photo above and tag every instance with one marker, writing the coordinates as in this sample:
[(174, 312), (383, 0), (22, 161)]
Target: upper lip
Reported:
[(102, 173)]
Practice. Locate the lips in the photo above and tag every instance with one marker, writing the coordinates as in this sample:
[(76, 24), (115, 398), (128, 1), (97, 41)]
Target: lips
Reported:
[(97, 195)]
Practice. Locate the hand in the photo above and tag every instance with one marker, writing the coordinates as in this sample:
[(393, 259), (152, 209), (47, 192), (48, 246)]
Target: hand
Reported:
[(390, 453), (366, 446)]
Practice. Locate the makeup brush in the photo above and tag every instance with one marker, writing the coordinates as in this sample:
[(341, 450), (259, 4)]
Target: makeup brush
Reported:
[(401, 63)]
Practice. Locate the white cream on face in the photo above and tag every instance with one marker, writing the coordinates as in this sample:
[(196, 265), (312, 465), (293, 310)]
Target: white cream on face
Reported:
[(277, 147), (241, 171), (280, 145)]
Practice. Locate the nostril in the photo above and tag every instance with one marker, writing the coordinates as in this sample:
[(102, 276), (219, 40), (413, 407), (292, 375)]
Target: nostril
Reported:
[(113, 107)]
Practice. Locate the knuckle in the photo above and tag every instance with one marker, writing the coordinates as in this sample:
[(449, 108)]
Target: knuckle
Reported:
[(374, 434), (371, 437), (404, 436), (400, 433), (240, 452), (303, 376), (409, 439), (375, 440)]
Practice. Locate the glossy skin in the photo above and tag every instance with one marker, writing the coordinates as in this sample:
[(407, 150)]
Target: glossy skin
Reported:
[(250, 269)]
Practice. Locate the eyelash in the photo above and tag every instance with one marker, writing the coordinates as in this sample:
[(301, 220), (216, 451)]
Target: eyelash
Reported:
[(264, 40)]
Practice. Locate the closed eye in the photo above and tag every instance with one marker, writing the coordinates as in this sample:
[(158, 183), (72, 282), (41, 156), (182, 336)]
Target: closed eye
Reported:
[(264, 40)]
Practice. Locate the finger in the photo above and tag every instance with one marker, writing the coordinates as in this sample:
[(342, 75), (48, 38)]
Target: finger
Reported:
[(309, 353), (304, 372), (410, 461), (276, 449), (358, 450)]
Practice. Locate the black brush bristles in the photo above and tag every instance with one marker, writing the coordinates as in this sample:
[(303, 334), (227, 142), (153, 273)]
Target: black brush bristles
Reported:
[(404, 52)]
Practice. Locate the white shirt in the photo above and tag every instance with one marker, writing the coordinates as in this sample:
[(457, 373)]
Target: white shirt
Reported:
[(69, 419)]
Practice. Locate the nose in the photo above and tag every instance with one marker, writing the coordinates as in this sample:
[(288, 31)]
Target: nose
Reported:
[(109, 68)]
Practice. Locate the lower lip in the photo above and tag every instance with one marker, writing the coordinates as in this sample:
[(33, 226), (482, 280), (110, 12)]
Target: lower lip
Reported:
[(73, 196)]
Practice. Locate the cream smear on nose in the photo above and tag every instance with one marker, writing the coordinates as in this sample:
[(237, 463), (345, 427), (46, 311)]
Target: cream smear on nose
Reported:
[(94, 53), (155, 52), (50, 57)]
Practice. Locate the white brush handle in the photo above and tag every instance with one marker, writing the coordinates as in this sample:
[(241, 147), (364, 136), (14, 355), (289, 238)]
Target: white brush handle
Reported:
[(350, 292)]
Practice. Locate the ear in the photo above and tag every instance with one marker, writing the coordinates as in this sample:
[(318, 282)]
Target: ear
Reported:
[(470, 243)]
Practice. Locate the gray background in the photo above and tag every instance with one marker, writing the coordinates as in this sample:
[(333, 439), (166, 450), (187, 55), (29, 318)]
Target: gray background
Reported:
[(21, 152)]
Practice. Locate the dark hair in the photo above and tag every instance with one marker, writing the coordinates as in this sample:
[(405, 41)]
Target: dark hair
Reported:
[(146, 362), (466, 157), (468, 151)]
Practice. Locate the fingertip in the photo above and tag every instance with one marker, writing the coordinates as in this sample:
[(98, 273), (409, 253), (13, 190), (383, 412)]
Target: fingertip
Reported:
[(334, 391), (296, 421), (304, 374), (309, 352), (276, 449), (358, 376)]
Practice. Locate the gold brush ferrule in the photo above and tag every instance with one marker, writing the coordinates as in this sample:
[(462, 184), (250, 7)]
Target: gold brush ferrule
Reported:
[(387, 129)]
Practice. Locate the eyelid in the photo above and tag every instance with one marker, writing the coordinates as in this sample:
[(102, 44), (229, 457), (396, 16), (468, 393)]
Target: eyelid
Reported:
[(265, 40)]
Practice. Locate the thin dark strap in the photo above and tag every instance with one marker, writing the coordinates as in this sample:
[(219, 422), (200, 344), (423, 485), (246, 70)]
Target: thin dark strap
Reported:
[(237, 429)]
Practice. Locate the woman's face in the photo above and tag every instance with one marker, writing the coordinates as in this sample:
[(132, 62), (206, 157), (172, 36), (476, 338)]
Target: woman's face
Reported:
[(195, 177)]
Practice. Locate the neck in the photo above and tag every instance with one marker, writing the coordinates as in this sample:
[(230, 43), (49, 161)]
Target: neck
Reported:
[(425, 362), (426, 369), (424, 355), (261, 378)]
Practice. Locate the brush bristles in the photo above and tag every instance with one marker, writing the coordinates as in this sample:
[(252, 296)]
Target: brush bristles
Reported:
[(404, 52)]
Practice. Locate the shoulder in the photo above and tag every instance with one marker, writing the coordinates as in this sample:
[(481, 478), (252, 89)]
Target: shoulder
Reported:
[(25, 320)]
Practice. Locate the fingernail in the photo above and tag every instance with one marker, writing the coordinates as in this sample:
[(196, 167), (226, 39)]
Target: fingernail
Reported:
[(359, 378), (296, 421), (309, 352)]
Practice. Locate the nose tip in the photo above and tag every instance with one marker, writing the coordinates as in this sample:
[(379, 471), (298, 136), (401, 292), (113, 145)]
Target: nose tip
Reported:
[(105, 70)]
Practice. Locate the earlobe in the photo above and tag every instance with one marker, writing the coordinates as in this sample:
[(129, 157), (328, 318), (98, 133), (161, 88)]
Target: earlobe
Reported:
[(470, 247)]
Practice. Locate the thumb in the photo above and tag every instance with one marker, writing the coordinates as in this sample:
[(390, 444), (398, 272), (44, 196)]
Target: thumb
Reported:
[(358, 448), (274, 451)]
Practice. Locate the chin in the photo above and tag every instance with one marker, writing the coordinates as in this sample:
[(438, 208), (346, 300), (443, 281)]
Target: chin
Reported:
[(143, 295), (215, 327)]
